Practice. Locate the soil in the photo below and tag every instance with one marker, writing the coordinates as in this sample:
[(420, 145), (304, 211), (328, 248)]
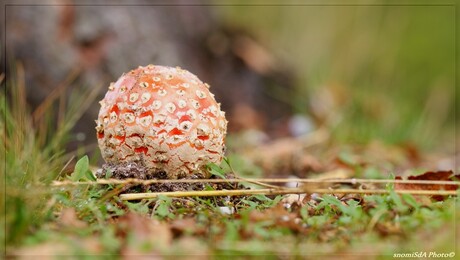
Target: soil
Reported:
[(139, 171)]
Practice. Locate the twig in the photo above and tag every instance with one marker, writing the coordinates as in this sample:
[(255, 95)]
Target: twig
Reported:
[(138, 196), (252, 180), (257, 182), (247, 180)]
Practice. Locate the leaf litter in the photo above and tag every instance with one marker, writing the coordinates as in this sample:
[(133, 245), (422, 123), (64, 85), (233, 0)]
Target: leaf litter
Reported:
[(172, 226), (430, 176)]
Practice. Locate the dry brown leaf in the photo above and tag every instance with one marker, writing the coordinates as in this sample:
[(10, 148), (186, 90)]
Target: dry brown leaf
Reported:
[(306, 163), (285, 156), (144, 230), (46, 250), (281, 217), (68, 218), (186, 226), (429, 176), (188, 247), (387, 229), (52, 249)]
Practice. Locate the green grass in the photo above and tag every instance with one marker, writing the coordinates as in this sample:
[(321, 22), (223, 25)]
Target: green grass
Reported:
[(34, 155), (261, 225)]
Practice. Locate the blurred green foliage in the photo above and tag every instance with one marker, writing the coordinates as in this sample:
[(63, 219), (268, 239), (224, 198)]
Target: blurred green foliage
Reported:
[(34, 154), (389, 70)]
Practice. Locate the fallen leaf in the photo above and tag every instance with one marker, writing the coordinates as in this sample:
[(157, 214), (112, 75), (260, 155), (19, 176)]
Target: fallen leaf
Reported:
[(280, 216), (186, 226), (46, 250), (285, 156), (430, 176), (68, 218), (144, 231), (53, 248), (189, 247), (388, 228)]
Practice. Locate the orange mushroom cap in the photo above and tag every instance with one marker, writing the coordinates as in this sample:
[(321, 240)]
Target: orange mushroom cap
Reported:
[(165, 118)]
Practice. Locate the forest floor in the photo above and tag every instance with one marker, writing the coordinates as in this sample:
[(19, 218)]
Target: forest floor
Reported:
[(54, 206), (86, 220)]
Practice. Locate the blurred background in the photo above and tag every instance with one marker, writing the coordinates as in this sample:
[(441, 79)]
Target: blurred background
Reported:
[(366, 72)]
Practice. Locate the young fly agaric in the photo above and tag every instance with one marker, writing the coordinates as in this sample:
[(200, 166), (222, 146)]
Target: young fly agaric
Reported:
[(164, 118)]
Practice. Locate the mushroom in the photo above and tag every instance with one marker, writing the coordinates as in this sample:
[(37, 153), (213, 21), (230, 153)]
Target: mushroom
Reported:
[(164, 118)]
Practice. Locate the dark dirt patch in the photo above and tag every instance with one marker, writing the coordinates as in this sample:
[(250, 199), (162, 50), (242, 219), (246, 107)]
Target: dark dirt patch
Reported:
[(124, 171), (139, 171)]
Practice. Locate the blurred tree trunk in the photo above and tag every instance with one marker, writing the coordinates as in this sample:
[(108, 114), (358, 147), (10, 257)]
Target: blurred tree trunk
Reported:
[(102, 42)]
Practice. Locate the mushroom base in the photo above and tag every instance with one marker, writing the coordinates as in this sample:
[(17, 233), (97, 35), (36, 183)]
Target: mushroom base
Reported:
[(137, 170)]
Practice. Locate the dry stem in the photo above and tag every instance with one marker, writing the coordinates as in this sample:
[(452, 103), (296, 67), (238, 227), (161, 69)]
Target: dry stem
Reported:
[(259, 181), (138, 196)]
